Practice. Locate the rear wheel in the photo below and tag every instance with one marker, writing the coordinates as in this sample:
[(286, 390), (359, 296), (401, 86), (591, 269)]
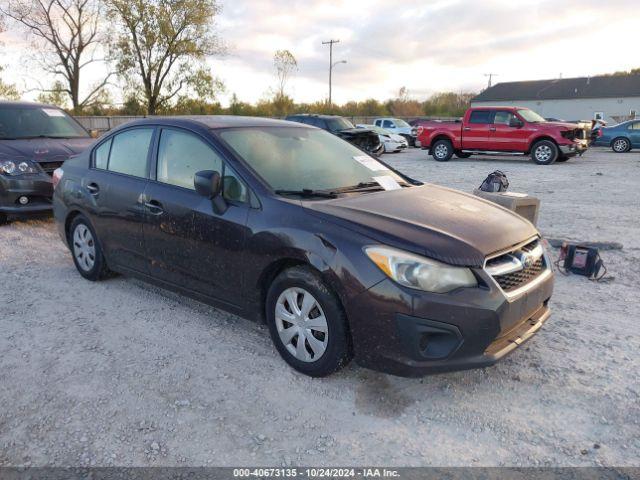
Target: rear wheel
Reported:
[(621, 145), (307, 323), (545, 152), (86, 250), (442, 150)]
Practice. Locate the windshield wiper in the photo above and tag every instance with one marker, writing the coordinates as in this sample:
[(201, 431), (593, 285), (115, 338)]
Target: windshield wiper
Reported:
[(365, 186), (307, 192)]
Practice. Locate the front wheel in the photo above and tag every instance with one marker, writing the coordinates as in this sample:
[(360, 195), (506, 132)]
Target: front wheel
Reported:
[(307, 323), (621, 145), (545, 152), (86, 250), (442, 150)]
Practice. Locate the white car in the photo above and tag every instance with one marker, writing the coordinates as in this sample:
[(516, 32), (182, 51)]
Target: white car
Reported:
[(398, 126), (391, 141)]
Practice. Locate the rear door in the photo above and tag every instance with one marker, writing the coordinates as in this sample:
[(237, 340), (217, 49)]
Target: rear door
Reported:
[(187, 243), (475, 133), (634, 134), (503, 137), (116, 183)]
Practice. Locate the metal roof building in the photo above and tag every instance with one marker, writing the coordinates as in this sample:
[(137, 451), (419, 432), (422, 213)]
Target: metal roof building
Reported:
[(613, 98)]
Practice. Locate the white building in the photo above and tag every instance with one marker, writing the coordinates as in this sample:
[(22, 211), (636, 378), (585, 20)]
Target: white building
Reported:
[(612, 98)]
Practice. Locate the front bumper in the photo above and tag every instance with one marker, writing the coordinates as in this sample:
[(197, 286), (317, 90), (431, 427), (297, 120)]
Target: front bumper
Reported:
[(577, 148), (411, 333), (37, 188)]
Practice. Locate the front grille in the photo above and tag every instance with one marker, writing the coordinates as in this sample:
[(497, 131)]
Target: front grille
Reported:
[(512, 281), (511, 271), (49, 167)]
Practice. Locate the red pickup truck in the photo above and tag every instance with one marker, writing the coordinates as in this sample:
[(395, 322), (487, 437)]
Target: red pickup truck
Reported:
[(503, 130)]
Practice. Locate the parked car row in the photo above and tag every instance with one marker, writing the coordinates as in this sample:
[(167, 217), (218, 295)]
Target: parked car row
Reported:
[(620, 138)]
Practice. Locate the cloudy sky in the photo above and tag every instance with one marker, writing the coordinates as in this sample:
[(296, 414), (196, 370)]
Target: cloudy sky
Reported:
[(427, 46)]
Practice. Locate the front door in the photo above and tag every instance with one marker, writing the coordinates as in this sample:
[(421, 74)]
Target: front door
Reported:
[(187, 243), (115, 185), (504, 137), (475, 134), (634, 134)]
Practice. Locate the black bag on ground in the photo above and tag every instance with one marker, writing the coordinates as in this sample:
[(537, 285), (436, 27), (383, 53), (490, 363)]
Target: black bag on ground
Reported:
[(495, 182)]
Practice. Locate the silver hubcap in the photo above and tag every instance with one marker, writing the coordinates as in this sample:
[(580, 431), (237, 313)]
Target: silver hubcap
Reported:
[(301, 324), (543, 153), (84, 247), (620, 145), (441, 151)]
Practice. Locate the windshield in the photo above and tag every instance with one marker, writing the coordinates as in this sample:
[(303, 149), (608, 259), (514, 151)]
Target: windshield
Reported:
[(338, 123), (29, 122), (400, 123), (531, 116), (290, 158)]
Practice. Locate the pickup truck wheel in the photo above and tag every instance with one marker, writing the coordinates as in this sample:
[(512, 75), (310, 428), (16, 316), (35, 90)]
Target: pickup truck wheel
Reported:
[(463, 154), (620, 145), (545, 152), (442, 150)]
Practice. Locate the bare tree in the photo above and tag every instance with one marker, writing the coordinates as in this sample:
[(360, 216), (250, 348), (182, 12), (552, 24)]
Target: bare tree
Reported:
[(67, 35), (160, 47), (285, 64)]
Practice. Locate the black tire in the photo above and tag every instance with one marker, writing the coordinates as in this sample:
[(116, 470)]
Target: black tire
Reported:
[(442, 150), (337, 353), (545, 152), (98, 270), (3, 218), (463, 154), (620, 145)]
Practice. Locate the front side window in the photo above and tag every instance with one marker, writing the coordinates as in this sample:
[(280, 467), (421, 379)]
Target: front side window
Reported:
[(129, 152), (181, 155), (502, 118), (295, 158), (388, 124), (31, 122), (232, 187), (480, 116), (635, 126)]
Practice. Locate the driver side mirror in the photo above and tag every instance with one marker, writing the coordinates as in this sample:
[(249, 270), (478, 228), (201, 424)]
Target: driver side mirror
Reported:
[(94, 133), (208, 183), (515, 122)]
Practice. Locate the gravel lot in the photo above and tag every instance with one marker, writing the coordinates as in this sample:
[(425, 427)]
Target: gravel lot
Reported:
[(121, 373)]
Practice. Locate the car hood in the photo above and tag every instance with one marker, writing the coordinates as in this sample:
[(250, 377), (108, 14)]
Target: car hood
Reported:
[(356, 132), (438, 222), (555, 125), (43, 149)]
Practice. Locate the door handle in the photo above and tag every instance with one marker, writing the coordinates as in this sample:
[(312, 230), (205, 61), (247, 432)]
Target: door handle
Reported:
[(466, 129), (154, 207), (93, 188)]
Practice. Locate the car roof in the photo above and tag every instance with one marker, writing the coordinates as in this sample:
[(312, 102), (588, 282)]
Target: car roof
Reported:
[(214, 121), (8, 103), (318, 115)]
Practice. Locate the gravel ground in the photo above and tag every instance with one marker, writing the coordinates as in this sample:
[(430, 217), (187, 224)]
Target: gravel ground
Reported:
[(121, 373)]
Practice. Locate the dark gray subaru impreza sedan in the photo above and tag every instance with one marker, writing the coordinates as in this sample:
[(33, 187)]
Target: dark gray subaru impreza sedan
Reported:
[(341, 255)]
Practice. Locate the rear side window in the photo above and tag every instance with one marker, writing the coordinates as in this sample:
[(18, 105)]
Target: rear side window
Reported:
[(129, 151), (181, 155), (480, 116), (101, 155)]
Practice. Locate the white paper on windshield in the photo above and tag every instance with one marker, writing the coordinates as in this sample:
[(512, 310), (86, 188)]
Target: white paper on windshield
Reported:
[(370, 163), (387, 182), (52, 112)]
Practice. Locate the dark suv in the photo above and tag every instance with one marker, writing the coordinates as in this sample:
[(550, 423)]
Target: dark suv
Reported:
[(340, 254), (35, 139), (363, 138)]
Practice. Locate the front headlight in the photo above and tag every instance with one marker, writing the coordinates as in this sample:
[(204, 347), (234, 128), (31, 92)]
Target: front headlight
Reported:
[(418, 272), (11, 167)]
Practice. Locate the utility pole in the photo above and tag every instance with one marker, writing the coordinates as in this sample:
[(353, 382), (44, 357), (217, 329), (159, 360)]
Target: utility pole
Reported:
[(330, 43), (490, 75)]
